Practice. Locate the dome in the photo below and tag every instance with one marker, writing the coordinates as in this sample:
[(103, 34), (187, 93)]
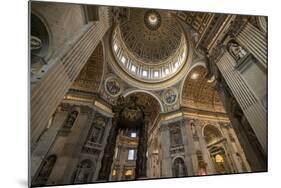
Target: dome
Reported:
[(150, 45)]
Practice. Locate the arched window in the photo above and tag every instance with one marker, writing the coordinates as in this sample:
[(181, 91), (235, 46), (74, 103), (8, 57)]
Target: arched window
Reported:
[(84, 172), (179, 169), (45, 171)]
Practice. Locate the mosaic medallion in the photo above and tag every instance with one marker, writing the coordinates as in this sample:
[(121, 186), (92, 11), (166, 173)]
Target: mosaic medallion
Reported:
[(170, 96), (112, 86)]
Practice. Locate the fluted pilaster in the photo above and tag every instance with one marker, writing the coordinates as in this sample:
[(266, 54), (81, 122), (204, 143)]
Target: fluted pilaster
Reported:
[(255, 41), (48, 93), (250, 105)]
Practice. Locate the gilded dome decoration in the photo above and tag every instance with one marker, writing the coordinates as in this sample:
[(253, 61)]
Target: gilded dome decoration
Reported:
[(150, 46)]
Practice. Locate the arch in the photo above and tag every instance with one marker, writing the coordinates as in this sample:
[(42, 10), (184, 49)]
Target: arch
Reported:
[(39, 43), (129, 92), (179, 168), (203, 95), (211, 133), (37, 15), (197, 64), (262, 23), (173, 160)]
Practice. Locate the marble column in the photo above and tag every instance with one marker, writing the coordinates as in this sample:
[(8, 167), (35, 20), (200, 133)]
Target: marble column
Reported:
[(50, 89)]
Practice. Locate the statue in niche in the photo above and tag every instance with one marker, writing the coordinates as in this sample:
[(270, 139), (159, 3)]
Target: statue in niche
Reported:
[(202, 168), (170, 97), (175, 135), (45, 171), (240, 160), (201, 163), (35, 43), (231, 137), (82, 175), (96, 134), (193, 129), (236, 50), (98, 128), (71, 119), (179, 168), (113, 87)]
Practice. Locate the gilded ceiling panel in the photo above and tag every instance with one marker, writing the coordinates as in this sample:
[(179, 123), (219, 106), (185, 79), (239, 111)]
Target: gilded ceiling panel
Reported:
[(90, 76), (198, 21), (199, 93)]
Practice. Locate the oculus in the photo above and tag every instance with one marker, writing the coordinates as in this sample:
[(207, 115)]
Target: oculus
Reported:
[(152, 19)]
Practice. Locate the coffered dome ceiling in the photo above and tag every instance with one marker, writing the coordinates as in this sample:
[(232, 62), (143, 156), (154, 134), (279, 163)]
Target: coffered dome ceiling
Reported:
[(151, 35), (150, 45)]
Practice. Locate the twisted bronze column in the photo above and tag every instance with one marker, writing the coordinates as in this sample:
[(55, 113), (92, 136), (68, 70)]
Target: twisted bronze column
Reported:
[(107, 159), (140, 171)]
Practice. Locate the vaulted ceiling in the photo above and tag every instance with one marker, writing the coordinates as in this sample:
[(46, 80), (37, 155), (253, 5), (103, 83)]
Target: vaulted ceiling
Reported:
[(199, 93), (197, 20), (90, 76)]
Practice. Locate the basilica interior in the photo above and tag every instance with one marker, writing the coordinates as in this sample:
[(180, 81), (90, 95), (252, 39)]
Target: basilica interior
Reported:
[(119, 93)]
